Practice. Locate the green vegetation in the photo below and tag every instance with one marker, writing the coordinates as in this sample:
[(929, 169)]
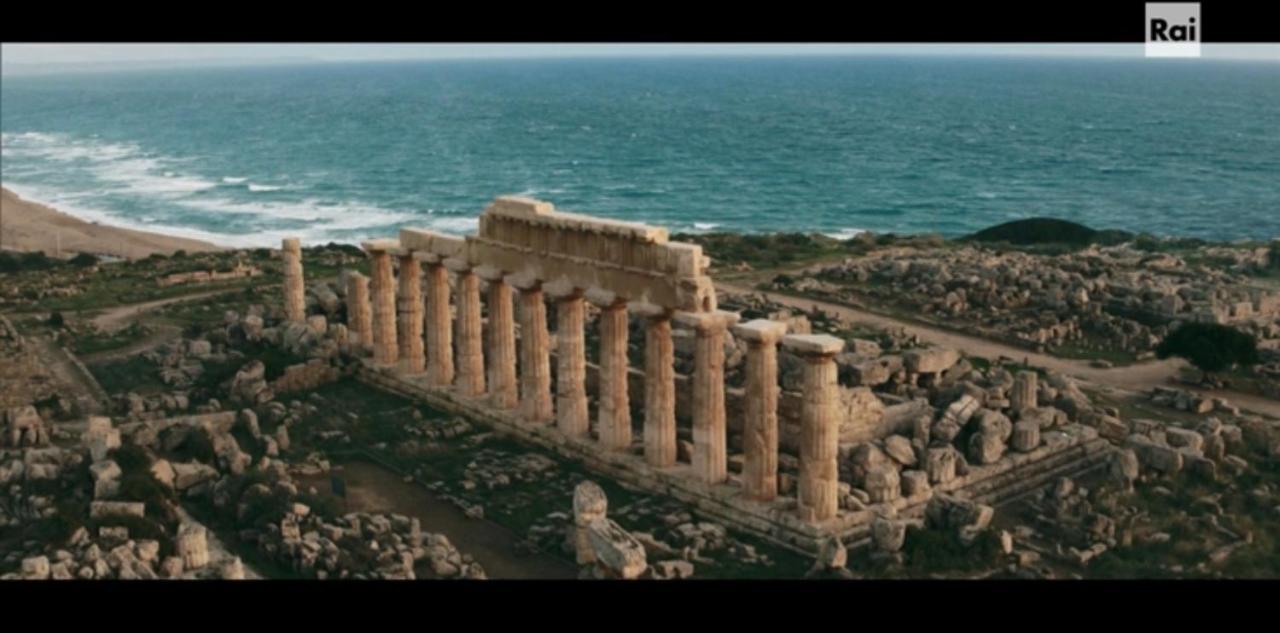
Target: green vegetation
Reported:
[(95, 342), (1034, 231), (1210, 347), (11, 262)]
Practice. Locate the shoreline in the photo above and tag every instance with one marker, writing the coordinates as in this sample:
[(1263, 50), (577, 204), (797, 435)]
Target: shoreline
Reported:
[(30, 226)]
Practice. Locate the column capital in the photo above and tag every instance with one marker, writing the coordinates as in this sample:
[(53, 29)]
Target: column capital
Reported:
[(603, 298), (380, 246), (760, 331), (524, 280), (490, 273), (431, 259), (650, 310), (457, 265), (715, 320), (291, 244), (561, 290), (813, 344)]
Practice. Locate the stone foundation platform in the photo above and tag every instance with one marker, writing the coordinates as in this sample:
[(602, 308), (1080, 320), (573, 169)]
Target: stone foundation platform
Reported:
[(1076, 450)]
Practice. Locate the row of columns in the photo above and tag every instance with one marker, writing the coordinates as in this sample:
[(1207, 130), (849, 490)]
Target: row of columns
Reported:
[(530, 393)]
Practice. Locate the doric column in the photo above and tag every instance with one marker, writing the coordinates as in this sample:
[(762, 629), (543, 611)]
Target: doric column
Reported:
[(710, 458), (535, 352), (659, 386), (614, 424), (470, 348), (382, 285), (359, 312), (439, 321), (819, 424), (409, 311), (295, 301), (502, 339), (760, 423), (1023, 394), (571, 362)]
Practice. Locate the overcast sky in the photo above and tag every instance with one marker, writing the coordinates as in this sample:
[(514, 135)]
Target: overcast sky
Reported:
[(22, 58)]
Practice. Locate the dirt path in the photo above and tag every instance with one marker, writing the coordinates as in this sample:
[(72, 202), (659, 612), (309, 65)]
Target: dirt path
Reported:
[(120, 316), (372, 488), (82, 388), (1137, 377), (162, 334)]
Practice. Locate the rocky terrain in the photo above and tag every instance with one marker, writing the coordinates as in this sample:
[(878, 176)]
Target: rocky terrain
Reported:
[(207, 458)]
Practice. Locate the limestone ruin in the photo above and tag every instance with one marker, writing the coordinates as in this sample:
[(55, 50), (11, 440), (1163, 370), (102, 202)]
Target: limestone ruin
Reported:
[(499, 371)]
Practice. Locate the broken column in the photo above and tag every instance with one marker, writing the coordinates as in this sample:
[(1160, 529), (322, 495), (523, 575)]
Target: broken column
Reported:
[(295, 302), (1023, 394), (614, 425), (659, 386), (470, 346), (359, 312), (819, 425), (535, 352), (192, 546), (589, 504), (439, 322), (572, 417), (502, 339), (709, 432), (760, 419), (409, 308), (382, 287)]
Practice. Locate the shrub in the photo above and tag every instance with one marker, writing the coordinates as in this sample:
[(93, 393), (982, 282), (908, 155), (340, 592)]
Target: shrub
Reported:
[(84, 260), (56, 320), (1210, 347)]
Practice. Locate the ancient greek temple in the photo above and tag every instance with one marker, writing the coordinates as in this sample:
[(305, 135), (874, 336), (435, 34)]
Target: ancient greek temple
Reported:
[(437, 346)]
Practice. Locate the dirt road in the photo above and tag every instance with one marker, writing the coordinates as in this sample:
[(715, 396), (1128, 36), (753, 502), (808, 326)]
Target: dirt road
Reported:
[(1137, 377), (117, 317)]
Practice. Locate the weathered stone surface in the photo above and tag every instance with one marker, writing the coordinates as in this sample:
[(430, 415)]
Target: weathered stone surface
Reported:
[(1026, 436), (985, 448), (616, 549), (104, 509), (941, 465), (295, 304), (192, 546), (883, 484), (900, 449), (888, 535), (930, 361)]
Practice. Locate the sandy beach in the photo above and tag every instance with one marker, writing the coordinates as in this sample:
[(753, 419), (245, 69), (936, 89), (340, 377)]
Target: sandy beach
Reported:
[(30, 226)]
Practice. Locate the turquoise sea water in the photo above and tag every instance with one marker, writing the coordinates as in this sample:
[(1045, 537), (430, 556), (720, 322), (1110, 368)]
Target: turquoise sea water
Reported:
[(892, 144)]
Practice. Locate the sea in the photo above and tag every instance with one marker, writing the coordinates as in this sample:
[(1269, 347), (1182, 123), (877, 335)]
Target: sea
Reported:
[(837, 145)]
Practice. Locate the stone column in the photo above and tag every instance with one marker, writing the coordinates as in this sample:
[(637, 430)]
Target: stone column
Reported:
[(502, 339), (409, 310), (535, 352), (760, 423), (359, 312), (572, 417), (710, 453), (659, 386), (470, 348), (439, 322), (614, 424), (295, 301), (819, 425), (1023, 394), (382, 286)]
